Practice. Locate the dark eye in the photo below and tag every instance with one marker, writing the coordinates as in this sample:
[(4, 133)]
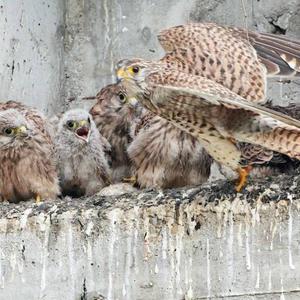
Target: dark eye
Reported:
[(122, 97), (71, 124), (8, 131), (135, 69)]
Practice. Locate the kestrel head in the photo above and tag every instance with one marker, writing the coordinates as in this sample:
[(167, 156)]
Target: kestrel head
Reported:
[(14, 129), (76, 126), (113, 101), (132, 73)]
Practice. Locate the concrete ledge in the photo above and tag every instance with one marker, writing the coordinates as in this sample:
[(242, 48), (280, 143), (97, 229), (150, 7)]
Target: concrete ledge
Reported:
[(197, 243)]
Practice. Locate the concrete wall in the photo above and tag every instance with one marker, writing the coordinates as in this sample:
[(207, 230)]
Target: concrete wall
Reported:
[(56, 51), (31, 52)]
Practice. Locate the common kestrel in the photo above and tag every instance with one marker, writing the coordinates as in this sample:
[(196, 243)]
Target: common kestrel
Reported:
[(114, 119), (27, 162), (161, 155), (80, 149), (238, 59), (215, 115)]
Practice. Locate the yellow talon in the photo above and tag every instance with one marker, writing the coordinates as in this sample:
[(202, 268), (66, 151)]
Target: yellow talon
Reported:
[(243, 174), (131, 179), (37, 199)]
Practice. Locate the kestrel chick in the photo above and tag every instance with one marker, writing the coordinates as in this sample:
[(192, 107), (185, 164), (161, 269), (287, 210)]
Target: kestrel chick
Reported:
[(80, 149), (238, 59), (209, 111), (113, 119), (27, 164), (164, 156)]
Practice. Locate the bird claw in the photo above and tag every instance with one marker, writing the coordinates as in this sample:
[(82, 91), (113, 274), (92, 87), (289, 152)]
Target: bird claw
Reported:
[(37, 199), (243, 174), (132, 180)]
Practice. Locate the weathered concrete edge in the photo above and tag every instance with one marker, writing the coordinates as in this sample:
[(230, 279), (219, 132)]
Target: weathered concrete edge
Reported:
[(261, 196)]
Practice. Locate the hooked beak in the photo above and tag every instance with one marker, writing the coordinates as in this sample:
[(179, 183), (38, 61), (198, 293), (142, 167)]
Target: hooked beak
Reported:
[(22, 131), (121, 74), (83, 131), (133, 102)]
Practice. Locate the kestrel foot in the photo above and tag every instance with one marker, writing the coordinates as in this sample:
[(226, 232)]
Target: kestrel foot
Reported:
[(132, 180), (243, 174), (37, 199)]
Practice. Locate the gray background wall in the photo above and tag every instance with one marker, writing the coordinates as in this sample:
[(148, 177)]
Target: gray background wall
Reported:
[(55, 52)]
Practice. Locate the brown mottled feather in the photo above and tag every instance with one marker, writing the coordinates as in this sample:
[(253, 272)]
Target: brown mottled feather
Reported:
[(164, 156), (28, 170), (113, 120), (226, 56), (161, 155), (210, 112)]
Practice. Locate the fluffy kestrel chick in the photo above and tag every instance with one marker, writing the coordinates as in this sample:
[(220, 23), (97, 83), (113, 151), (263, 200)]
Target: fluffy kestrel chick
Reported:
[(164, 156), (210, 112), (80, 149), (113, 119), (27, 164), (236, 58)]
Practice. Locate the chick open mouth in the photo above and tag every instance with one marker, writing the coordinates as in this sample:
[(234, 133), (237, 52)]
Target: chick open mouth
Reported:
[(83, 132)]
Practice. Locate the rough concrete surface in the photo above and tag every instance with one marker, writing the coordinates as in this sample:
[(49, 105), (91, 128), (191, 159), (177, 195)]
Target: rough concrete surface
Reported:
[(195, 243), (187, 244)]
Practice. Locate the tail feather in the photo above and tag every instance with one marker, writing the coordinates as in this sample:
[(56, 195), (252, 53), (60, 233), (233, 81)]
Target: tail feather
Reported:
[(276, 48), (282, 138)]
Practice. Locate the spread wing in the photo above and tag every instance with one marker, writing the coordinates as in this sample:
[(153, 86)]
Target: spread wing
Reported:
[(185, 101), (279, 54)]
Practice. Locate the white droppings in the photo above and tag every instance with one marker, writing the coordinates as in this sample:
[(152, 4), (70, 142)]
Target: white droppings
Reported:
[(89, 228), (290, 235), (208, 285), (178, 262), (156, 269), (248, 258), (270, 279), (71, 257), (128, 264), (13, 262), (89, 251), (125, 29), (23, 218), (257, 278), (230, 246), (44, 254), (164, 243), (111, 261)]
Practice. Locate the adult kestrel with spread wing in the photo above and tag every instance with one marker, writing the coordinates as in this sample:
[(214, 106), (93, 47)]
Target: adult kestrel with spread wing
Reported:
[(236, 58), (215, 115), (83, 167), (162, 155), (27, 162)]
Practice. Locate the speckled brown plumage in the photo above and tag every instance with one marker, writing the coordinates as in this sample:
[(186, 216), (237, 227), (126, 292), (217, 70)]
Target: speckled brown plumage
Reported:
[(27, 163), (266, 162), (113, 120), (166, 157), (209, 111), (238, 59), (161, 155)]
